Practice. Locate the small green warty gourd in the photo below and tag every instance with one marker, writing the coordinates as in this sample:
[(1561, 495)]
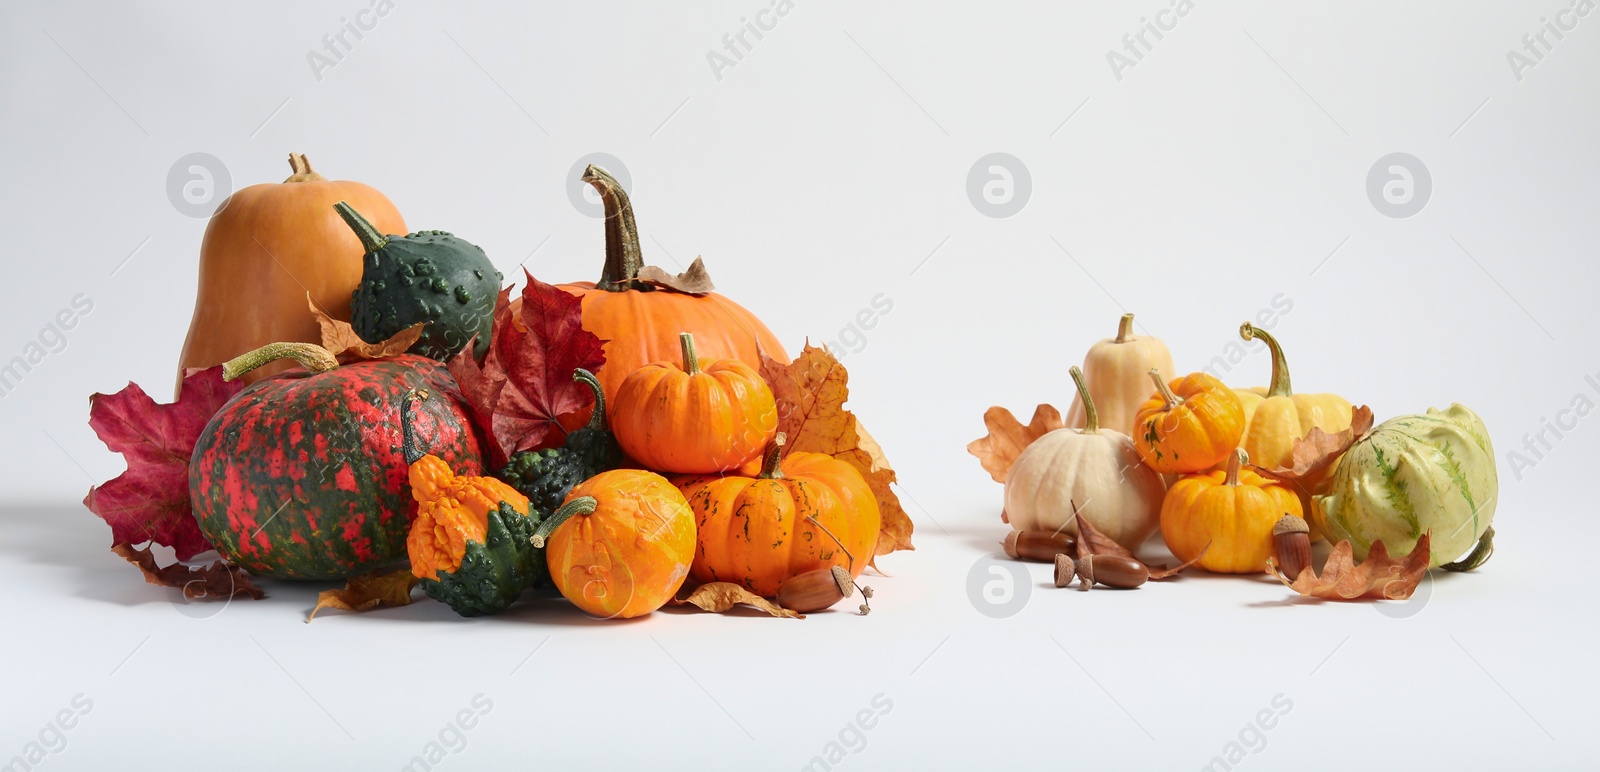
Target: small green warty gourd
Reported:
[(1416, 474), (427, 276), (547, 476)]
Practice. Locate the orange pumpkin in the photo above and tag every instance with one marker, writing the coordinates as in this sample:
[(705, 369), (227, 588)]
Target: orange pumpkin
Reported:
[(640, 322), (701, 417), (264, 249), (1190, 425), (801, 513), (1228, 514), (628, 555)]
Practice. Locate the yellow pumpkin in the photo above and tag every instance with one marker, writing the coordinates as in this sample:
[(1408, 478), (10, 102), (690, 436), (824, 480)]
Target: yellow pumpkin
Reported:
[(1276, 418)]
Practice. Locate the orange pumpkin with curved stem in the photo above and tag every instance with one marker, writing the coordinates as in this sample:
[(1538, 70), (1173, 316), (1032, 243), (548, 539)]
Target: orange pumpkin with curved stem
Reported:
[(801, 513), (626, 554), (1228, 515), (1190, 424), (701, 417)]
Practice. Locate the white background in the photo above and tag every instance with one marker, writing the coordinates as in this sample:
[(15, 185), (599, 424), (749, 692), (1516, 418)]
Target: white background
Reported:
[(825, 168)]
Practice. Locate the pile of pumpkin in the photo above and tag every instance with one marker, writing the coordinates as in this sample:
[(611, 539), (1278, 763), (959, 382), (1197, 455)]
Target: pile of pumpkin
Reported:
[(397, 446), (1240, 481)]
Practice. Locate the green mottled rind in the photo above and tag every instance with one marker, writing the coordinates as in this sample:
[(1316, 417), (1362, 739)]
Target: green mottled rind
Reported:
[(1412, 475), (547, 476), (494, 572), (427, 276)]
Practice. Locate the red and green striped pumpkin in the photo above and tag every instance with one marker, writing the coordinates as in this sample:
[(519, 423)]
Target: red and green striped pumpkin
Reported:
[(302, 475)]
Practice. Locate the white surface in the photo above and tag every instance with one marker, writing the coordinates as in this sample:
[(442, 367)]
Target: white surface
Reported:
[(821, 171)]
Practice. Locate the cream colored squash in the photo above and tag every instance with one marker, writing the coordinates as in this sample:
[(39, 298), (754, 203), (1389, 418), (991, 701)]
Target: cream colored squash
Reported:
[(1096, 468), (1117, 371)]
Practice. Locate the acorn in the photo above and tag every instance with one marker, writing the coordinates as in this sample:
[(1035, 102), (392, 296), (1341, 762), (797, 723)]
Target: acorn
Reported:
[(819, 589)]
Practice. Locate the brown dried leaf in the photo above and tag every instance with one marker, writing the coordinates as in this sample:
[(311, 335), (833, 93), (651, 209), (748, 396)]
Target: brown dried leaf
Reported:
[(339, 338), (718, 597), (1315, 453), (693, 281), (218, 581), (391, 588), (811, 392), (1007, 437), (1379, 577)]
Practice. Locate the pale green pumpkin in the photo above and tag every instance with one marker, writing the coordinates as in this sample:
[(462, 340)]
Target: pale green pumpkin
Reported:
[(1415, 474)]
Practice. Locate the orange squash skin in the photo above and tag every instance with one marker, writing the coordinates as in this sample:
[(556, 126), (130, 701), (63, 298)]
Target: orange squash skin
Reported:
[(715, 417), (1193, 434), (629, 556), (1232, 523), (759, 532), (264, 249), (451, 511)]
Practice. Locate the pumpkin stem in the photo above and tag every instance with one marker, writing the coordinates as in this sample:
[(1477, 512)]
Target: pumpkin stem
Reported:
[(772, 466), (691, 363), (1124, 329), (1480, 554), (1164, 390), (408, 435), (597, 421), (1091, 417), (371, 239), (582, 505), (315, 359), (623, 259), (301, 168), (1280, 366), (1235, 462)]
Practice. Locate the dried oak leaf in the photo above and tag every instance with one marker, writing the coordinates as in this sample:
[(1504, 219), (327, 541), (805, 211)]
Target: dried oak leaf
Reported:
[(1316, 453), (811, 392), (1007, 437), (150, 501), (718, 597), (339, 338), (1092, 541), (381, 588), (1379, 577), (695, 280), (524, 386), (218, 581)]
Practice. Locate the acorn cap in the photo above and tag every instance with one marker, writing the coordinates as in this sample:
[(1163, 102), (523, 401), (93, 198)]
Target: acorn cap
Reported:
[(1290, 524)]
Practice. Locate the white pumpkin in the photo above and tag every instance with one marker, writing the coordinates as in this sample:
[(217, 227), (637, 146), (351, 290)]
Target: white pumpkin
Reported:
[(1118, 373), (1097, 468)]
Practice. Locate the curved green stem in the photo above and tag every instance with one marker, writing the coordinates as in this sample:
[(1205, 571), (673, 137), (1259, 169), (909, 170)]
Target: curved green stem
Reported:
[(1280, 366), (597, 421), (623, 259), (371, 239), (315, 359), (1235, 463), (1124, 329), (772, 465), (1091, 417), (1480, 554), (408, 435), (691, 363), (1164, 390), (583, 505)]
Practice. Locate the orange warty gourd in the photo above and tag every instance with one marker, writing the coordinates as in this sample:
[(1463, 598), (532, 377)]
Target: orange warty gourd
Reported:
[(701, 417), (630, 554), (452, 510), (640, 322), (1189, 425), (264, 249), (1229, 514), (801, 513)]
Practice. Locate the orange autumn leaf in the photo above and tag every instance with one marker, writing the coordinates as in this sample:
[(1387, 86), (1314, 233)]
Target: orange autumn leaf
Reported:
[(999, 449), (1316, 453), (718, 597), (339, 338), (360, 593), (218, 581), (1379, 577), (810, 393)]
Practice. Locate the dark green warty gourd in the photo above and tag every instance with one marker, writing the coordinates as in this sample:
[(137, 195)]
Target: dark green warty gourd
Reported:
[(547, 476)]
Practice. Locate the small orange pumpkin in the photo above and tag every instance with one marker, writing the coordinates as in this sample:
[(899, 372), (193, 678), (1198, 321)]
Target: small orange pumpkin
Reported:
[(628, 554), (1227, 514), (801, 513), (1189, 425), (702, 417)]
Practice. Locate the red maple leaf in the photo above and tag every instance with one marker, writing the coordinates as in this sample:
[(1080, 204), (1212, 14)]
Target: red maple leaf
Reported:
[(524, 386), (150, 501)]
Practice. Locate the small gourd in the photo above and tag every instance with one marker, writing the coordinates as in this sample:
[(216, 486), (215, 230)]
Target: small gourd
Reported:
[(546, 476), (700, 417), (1116, 370), (1276, 418), (426, 276), (1228, 515), (1190, 425)]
